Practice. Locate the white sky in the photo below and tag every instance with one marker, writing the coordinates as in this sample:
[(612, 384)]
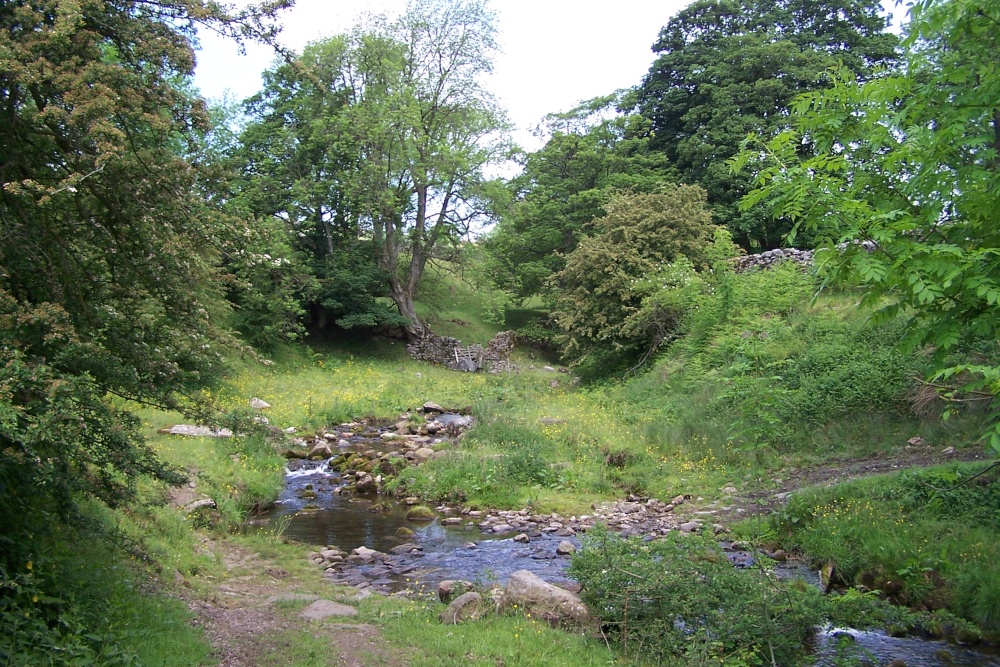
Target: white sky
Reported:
[(556, 53)]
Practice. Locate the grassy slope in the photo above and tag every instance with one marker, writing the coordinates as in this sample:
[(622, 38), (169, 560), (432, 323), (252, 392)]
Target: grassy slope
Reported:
[(727, 407)]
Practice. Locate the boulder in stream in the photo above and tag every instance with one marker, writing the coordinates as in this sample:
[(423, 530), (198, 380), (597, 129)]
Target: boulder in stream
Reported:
[(420, 513)]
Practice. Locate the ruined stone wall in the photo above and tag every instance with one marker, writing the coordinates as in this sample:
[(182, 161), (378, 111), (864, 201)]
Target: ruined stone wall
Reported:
[(441, 350), (769, 258)]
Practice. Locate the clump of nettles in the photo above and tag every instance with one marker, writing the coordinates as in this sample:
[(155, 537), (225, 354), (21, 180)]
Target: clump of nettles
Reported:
[(680, 599)]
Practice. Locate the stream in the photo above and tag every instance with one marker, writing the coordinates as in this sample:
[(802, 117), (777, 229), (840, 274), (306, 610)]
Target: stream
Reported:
[(417, 555)]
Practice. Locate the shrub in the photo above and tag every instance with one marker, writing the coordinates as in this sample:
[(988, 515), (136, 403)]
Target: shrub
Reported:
[(597, 290), (679, 599)]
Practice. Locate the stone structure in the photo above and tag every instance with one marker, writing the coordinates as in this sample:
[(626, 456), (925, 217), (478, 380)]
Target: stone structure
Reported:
[(769, 258), (450, 352)]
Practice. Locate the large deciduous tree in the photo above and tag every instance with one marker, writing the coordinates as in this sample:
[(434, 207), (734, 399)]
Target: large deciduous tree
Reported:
[(599, 288), (592, 154), (426, 127), (388, 130), (729, 67), (909, 163), (108, 265)]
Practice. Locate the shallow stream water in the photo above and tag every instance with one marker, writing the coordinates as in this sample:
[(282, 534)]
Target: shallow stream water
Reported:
[(464, 552)]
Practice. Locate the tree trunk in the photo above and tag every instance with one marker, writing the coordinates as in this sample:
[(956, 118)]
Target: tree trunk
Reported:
[(403, 298)]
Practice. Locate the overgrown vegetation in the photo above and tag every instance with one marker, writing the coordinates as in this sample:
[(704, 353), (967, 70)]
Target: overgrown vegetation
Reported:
[(150, 242), (925, 538)]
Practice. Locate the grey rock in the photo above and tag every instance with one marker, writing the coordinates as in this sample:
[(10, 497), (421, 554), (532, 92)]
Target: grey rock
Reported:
[(566, 548), (463, 608), (321, 609), (258, 404), (552, 604), (448, 588)]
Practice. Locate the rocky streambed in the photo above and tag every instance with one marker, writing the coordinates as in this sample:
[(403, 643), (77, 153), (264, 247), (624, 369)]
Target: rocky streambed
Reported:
[(334, 499)]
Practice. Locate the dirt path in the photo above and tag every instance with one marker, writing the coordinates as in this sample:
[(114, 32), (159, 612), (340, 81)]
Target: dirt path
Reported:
[(252, 618), (837, 471)]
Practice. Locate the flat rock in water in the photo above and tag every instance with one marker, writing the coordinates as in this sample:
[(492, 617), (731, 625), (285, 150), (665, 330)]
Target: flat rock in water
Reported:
[(321, 609)]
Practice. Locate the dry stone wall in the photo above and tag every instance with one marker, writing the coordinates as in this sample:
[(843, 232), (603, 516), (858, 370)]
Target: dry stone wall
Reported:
[(451, 352), (769, 258)]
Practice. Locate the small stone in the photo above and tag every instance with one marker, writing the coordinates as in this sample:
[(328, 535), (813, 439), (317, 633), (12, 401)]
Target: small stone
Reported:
[(566, 548), (948, 450), (343, 443), (451, 521), (916, 441), (690, 526), (502, 528), (404, 532), (432, 407), (522, 538), (448, 588), (258, 404), (470, 545), (678, 500)]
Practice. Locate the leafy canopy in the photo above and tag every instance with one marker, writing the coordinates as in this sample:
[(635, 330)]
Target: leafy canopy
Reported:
[(729, 67), (911, 163), (109, 279), (563, 188), (601, 286)]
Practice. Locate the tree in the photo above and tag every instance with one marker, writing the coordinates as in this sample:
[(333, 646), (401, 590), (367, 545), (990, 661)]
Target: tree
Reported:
[(903, 186), (427, 128), (109, 278), (600, 287), (384, 134), (729, 67), (564, 187), (294, 162)]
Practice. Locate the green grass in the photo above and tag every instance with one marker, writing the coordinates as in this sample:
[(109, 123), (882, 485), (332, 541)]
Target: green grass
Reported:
[(83, 599), (718, 409), (508, 640), (931, 534)]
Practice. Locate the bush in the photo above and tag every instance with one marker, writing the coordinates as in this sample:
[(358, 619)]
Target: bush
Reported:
[(597, 291), (679, 599)]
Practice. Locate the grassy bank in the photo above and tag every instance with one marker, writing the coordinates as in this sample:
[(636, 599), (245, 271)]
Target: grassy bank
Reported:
[(763, 383), (925, 538)]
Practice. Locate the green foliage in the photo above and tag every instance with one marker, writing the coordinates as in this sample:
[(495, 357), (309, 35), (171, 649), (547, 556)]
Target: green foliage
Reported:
[(729, 67), (597, 290), (563, 189), (386, 132), (908, 164), (679, 600), (77, 601), (760, 369), (928, 533), (110, 282)]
